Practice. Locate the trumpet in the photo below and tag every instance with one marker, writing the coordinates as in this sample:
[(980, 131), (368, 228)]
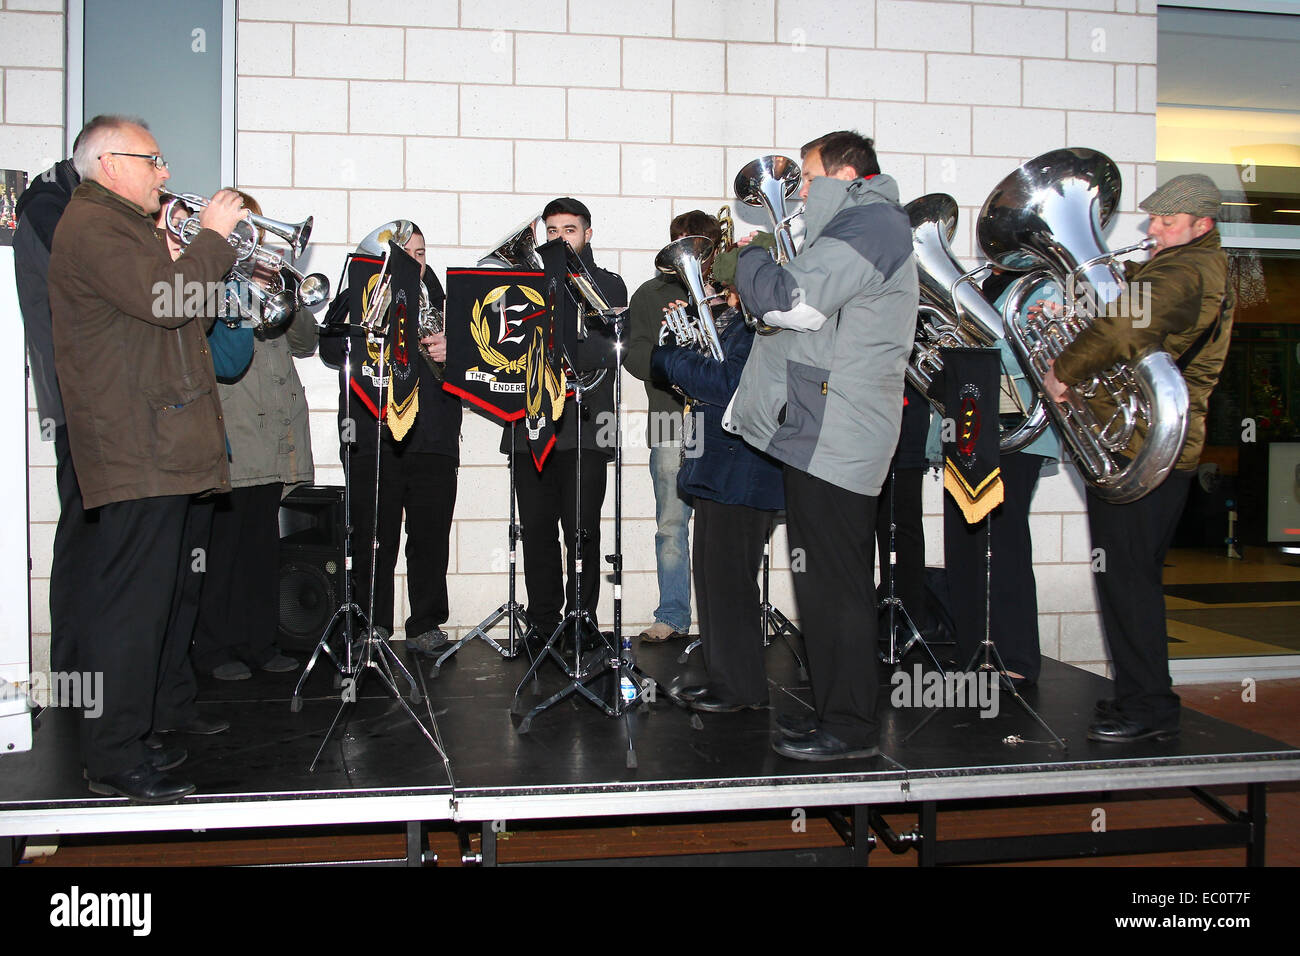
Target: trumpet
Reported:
[(290, 289)]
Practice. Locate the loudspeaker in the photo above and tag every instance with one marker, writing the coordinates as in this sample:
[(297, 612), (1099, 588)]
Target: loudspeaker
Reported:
[(311, 563)]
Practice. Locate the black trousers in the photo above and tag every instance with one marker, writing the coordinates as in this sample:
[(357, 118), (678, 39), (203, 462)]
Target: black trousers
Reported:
[(546, 504), (132, 625), (1013, 621), (909, 543), (725, 559), (1133, 540), (424, 487), (66, 573), (240, 605), (832, 555)]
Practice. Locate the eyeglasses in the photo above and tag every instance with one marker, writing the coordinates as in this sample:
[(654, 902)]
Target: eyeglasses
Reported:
[(158, 161)]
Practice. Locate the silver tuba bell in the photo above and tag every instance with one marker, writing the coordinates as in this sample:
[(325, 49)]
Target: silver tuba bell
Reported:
[(1048, 215), (953, 312), (685, 258)]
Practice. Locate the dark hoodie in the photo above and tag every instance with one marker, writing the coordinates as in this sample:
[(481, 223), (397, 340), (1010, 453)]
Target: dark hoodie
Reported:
[(39, 209)]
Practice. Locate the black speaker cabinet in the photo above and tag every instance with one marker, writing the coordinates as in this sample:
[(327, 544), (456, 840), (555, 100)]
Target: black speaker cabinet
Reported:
[(311, 563)]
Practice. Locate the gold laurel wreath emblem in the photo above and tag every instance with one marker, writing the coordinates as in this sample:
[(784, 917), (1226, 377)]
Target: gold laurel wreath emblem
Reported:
[(478, 328)]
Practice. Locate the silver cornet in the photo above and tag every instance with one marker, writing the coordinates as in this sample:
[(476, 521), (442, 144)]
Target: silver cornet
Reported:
[(289, 290)]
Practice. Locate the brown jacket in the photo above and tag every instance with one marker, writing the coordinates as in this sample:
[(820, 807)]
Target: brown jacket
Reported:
[(135, 372), (1186, 288)]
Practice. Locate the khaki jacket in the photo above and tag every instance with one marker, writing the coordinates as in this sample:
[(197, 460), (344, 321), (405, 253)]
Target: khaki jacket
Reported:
[(139, 392), (1182, 291), (266, 409)]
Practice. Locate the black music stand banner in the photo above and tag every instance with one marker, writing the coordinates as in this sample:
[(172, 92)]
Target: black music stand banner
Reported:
[(398, 386), (501, 350), (971, 460)]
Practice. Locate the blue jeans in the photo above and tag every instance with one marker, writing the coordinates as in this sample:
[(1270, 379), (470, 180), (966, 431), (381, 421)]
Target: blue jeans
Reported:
[(672, 540)]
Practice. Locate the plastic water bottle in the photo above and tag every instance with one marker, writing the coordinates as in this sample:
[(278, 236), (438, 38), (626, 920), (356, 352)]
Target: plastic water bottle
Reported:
[(626, 686)]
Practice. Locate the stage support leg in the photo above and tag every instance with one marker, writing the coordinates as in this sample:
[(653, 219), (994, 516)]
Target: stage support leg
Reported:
[(927, 846), (417, 841), (11, 850), (1257, 810), (488, 849), (862, 841)]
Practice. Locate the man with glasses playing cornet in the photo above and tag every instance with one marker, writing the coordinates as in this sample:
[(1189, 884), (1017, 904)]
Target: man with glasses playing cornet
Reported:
[(145, 431)]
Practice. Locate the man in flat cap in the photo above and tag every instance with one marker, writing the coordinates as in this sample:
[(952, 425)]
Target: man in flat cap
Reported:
[(1188, 313)]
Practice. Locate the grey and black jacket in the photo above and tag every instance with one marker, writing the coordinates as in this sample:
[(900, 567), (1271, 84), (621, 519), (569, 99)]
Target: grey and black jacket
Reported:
[(827, 397)]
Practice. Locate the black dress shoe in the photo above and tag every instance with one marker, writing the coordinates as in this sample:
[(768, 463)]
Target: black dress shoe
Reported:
[(796, 726), (144, 784), (154, 742), (1118, 729), (711, 703), (691, 691), (821, 745), (160, 758), (199, 725)]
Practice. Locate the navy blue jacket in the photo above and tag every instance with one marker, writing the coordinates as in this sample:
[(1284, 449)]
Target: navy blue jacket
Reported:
[(719, 466)]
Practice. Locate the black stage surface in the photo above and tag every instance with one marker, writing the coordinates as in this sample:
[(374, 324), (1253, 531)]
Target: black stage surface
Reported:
[(574, 760)]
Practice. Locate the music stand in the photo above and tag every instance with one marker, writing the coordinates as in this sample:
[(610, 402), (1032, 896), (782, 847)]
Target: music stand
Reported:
[(375, 653), (627, 678), (989, 650), (518, 625), (893, 602)]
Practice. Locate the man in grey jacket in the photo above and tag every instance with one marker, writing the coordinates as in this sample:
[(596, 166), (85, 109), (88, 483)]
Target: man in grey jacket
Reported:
[(826, 399)]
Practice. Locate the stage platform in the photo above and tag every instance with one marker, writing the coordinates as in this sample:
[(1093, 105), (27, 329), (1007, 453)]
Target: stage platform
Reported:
[(573, 763)]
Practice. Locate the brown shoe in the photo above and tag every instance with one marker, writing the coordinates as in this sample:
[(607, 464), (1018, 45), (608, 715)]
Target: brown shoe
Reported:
[(659, 632)]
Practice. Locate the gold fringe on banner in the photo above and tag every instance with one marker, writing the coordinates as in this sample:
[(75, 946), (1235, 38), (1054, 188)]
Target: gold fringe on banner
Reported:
[(974, 501)]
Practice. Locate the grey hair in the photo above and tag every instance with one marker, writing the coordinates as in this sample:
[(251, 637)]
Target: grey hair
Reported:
[(96, 137)]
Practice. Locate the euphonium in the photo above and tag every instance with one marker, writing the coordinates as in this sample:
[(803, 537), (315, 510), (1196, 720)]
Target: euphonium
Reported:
[(1050, 213), (377, 298), (953, 312), (768, 182), (685, 258), (516, 250)]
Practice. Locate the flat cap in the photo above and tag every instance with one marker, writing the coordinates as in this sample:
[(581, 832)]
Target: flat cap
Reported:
[(1194, 194)]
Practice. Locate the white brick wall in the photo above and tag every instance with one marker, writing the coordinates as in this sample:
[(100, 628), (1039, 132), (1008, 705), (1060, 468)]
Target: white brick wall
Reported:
[(468, 117)]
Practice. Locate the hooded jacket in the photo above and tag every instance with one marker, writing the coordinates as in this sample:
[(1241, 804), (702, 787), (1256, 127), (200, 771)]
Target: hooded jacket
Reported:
[(38, 211), (827, 397), (1184, 293), (139, 391)]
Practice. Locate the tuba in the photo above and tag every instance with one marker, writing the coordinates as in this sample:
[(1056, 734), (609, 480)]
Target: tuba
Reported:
[(953, 312), (1048, 215), (685, 258)]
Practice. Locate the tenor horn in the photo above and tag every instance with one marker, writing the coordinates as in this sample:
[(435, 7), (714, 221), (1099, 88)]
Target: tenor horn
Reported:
[(953, 312), (685, 258), (1048, 215)]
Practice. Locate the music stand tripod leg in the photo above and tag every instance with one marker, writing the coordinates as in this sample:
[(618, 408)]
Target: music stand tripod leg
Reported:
[(518, 627)]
